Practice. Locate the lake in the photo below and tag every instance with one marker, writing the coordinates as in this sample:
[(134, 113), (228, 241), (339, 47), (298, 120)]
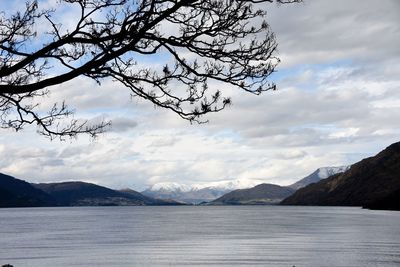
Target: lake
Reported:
[(199, 236)]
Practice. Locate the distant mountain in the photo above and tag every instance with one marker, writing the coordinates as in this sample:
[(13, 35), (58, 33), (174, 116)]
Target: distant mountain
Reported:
[(318, 175), (195, 194), (260, 194), (230, 185), (18, 193), (372, 183), (154, 201), (272, 194), (87, 194), (169, 190), (170, 187), (208, 192)]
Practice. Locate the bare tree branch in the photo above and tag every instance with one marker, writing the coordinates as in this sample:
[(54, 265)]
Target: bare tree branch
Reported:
[(221, 40)]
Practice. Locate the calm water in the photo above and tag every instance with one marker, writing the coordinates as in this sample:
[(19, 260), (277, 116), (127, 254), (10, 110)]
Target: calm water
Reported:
[(199, 236)]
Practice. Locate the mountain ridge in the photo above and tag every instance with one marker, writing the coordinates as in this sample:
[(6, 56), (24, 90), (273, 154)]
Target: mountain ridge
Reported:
[(196, 193), (371, 183), (209, 192), (317, 175), (19, 193), (259, 195), (77, 193)]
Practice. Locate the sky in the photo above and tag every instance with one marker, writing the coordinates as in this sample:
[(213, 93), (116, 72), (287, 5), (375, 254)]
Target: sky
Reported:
[(338, 101)]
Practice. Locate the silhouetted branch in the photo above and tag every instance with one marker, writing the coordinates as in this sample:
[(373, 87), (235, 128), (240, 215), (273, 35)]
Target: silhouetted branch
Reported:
[(216, 40)]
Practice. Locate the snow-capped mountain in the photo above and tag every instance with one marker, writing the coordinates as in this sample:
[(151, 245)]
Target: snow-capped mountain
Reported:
[(319, 174), (229, 185), (170, 187), (197, 193), (325, 172)]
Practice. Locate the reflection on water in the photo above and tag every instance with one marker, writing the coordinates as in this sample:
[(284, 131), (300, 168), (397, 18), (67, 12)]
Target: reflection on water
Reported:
[(199, 236)]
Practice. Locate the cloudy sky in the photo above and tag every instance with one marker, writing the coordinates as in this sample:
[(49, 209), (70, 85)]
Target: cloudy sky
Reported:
[(338, 102)]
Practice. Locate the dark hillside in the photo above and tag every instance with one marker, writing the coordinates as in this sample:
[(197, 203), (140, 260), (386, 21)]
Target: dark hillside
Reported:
[(373, 183), (18, 193)]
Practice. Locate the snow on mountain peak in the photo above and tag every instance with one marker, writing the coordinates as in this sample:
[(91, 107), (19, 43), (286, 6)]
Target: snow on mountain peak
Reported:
[(325, 172), (171, 186), (230, 184), (225, 185)]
